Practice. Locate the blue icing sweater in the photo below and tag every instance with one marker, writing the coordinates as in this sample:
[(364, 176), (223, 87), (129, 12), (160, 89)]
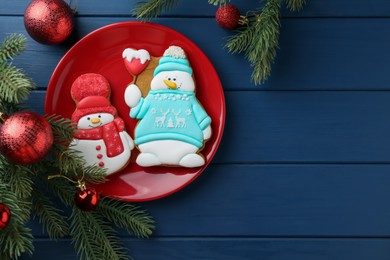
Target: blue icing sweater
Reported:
[(170, 115)]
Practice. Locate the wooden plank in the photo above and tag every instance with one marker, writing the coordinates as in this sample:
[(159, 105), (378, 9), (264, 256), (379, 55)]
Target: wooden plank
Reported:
[(313, 8), (315, 54), (234, 248), (277, 201), (300, 127)]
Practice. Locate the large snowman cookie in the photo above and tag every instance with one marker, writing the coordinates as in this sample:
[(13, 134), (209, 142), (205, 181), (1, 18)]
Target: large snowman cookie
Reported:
[(173, 125), (100, 136)]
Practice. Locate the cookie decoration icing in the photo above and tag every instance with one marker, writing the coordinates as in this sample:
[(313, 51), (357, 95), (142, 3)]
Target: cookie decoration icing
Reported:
[(100, 134), (173, 125), (135, 60)]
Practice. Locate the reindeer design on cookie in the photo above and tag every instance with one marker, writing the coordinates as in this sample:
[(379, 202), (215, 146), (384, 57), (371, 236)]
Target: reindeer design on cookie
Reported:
[(100, 135), (173, 125)]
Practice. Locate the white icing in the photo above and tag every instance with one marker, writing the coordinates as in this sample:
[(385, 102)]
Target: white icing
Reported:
[(169, 152), (175, 51), (112, 164), (207, 133), (131, 54), (132, 95), (183, 80)]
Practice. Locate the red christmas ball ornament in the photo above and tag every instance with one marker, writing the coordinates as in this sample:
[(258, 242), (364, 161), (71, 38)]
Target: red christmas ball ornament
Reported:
[(86, 198), (49, 21), (228, 16), (25, 137), (5, 215)]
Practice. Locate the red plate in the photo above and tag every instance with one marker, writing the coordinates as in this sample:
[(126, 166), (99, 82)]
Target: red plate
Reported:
[(100, 52)]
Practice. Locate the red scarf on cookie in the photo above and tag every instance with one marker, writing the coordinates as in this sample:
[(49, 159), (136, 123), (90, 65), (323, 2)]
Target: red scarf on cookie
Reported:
[(109, 133)]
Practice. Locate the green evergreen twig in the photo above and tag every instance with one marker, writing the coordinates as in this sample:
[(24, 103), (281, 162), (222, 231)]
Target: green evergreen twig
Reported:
[(295, 5), (217, 2), (51, 218), (15, 86), (127, 216), (151, 9), (15, 239), (12, 46), (93, 238)]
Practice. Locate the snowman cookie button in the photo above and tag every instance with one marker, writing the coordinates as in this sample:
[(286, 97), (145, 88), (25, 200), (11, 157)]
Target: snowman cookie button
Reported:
[(173, 126), (100, 134)]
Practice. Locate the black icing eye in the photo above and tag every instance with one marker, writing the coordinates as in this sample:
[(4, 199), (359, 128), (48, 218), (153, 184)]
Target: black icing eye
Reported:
[(169, 78), (99, 116), (174, 79), (88, 118)]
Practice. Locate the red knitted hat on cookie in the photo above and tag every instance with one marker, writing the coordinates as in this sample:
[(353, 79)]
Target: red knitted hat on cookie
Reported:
[(91, 93)]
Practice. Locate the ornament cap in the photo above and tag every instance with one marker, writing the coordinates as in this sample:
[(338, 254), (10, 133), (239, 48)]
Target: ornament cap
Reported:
[(3, 117)]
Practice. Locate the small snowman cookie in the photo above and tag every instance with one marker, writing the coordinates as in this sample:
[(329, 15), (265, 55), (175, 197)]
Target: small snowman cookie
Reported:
[(173, 125), (100, 135)]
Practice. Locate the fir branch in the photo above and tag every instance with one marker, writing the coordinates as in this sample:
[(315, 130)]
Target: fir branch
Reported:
[(61, 189), (12, 46), (94, 174), (15, 86), (15, 239), (262, 53), (127, 216), (295, 5), (93, 238), (242, 40), (217, 2), (153, 8), (63, 129), (20, 182), (49, 216), (259, 41)]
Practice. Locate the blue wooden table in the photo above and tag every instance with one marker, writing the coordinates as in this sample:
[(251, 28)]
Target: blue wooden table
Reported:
[(303, 170)]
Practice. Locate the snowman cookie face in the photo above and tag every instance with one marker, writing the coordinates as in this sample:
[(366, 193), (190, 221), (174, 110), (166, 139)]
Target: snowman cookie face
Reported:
[(173, 125), (94, 120), (179, 80)]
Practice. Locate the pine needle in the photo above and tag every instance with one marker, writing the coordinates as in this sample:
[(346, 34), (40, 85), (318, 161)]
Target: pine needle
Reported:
[(217, 2), (50, 217), (12, 46), (93, 238), (259, 41), (295, 5), (15, 239), (241, 41), (127, 216), (153, 8), (15, 86), (63, 129)]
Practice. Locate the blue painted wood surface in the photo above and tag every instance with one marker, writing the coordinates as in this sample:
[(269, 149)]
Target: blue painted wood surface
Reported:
[(303, 168)]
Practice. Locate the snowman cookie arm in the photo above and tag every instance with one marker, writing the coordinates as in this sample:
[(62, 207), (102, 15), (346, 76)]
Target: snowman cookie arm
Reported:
[(203, 119), (129, 139), (132, 95), (141, 109)]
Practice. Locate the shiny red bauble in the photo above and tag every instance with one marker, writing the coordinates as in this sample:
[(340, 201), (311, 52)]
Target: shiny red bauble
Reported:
[(86, 198), (49, 21), (5, 215), (25, 137), (228, 16)]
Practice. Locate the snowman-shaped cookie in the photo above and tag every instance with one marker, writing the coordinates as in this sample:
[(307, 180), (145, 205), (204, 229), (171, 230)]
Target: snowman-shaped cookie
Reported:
[(100, 135), (173, 125)]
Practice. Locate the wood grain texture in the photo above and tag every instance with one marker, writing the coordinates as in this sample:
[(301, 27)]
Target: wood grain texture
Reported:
[(303, 170), (313, 8), (276, 201), (326, 54), (236, 248)]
